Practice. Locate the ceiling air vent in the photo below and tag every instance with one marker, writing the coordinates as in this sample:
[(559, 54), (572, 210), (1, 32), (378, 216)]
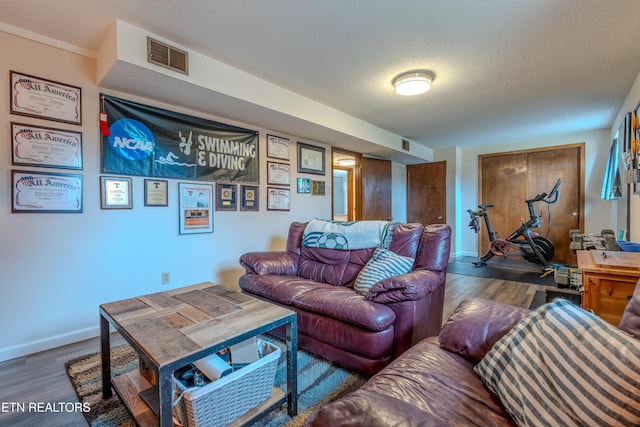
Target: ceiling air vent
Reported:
[(405, 145), (167, 56)]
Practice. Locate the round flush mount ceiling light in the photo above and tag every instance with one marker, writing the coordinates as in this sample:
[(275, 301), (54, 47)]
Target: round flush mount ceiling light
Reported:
[(413, 82)]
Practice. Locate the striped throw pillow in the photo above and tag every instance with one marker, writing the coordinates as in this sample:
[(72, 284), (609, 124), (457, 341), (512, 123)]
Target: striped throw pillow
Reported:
[(383, 264), (561, 365)]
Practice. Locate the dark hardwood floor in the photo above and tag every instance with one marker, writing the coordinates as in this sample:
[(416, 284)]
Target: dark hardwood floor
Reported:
[(41, 377)]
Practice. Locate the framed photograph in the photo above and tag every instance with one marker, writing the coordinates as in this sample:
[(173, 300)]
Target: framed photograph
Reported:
[(304, 185), (46, 192), (318, 188), (226, 197), (45, 147), (156, 192), (278, 199), (310, 159), (115, 193), (278, 173), (45, 99), (195, 204), (249, 198), (277, 147)]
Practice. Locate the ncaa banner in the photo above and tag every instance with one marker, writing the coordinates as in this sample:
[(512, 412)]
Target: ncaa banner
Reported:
[(148, 141)]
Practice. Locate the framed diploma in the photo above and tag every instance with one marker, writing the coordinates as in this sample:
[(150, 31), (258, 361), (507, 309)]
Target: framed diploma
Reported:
[(195, 205), (156, 192), (278, 173), (278, 199), (226, 197), (45, 147), (115, 193), (45, 99), (277, 147), (310, 159), (249, 198), (46, 192)]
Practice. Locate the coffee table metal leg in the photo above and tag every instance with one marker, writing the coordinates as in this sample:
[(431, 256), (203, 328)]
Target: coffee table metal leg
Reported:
[(292, 367), (105, 353), (165, 415)]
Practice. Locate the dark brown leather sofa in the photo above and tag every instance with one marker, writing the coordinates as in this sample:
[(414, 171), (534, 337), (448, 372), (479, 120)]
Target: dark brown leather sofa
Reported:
[(360, 332), (434, 383)]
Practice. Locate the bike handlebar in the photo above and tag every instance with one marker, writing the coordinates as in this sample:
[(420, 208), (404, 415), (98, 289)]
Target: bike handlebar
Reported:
[(554, 195)]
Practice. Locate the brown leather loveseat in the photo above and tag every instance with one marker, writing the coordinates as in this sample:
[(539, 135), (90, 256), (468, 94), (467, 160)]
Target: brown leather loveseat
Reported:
[(362, 332)]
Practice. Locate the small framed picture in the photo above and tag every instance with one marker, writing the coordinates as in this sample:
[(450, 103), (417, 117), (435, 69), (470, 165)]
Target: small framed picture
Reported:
[(115, 193), (195, 204), (226, 197), (304, 185), (318, 188), (249, 198), (277, 147), (310, 159), (156, 192), (278, 173), (278, 199)]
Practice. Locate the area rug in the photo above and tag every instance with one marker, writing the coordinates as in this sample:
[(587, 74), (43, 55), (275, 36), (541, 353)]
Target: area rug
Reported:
[(502, 269), (319, 382)]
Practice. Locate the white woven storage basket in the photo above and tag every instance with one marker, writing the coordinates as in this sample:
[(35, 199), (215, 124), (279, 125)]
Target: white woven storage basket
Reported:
[(228, 398)]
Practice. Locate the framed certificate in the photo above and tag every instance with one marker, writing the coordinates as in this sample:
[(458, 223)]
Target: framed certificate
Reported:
[(249, 198), (226, 199), (46, 192), (195, 208), (278, 199), (115, 193), (277, 147), (45, 147), (310, 159), (278, 173), (45, 99), (156, 192)]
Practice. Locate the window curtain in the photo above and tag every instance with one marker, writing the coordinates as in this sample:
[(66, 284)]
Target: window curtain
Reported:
[(612, 184)]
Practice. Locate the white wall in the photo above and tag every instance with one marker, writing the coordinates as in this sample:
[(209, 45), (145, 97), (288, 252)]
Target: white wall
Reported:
[(634, 202), (55, 269), (464, 182)]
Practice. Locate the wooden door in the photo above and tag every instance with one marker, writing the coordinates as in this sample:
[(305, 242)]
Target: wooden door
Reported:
[(507, 179), (376, 189), (426, 193)]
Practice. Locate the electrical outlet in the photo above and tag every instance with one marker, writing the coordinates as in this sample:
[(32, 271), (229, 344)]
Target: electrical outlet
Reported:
[(166, 278)]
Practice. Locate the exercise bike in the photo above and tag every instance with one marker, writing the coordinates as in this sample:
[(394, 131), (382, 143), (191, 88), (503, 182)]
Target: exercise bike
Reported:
[(522, 242)]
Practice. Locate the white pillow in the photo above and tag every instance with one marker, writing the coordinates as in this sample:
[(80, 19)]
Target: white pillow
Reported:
[(382, 264), (561, 365)]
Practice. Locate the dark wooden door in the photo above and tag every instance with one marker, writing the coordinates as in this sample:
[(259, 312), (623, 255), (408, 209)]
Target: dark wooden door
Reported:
[(427, 193), (507, 179), (376, 189)]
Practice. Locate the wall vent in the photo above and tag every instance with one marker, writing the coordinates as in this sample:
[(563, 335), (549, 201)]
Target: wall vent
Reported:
[(162, 54), (405, 145)]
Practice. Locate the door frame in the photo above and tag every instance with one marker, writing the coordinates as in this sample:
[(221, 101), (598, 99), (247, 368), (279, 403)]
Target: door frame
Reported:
[(356, 186)]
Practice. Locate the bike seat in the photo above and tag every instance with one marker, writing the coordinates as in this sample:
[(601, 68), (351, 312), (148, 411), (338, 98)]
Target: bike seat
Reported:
[(485, 206)]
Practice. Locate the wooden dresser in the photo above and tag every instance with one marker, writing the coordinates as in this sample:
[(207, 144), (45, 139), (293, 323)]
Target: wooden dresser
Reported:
[(608, 279)]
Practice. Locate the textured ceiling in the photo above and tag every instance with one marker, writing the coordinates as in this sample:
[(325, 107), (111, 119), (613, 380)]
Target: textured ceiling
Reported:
[(505, 70)]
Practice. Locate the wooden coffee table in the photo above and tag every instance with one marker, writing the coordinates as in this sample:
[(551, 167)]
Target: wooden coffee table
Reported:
[(171, 329)]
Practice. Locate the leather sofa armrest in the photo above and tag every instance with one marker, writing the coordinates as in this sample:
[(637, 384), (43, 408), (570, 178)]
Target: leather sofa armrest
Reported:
[(476, 325), (274, 262), (411, 286)]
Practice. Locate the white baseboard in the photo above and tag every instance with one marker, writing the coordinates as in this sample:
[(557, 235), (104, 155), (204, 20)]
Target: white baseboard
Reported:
[(23, 349)]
